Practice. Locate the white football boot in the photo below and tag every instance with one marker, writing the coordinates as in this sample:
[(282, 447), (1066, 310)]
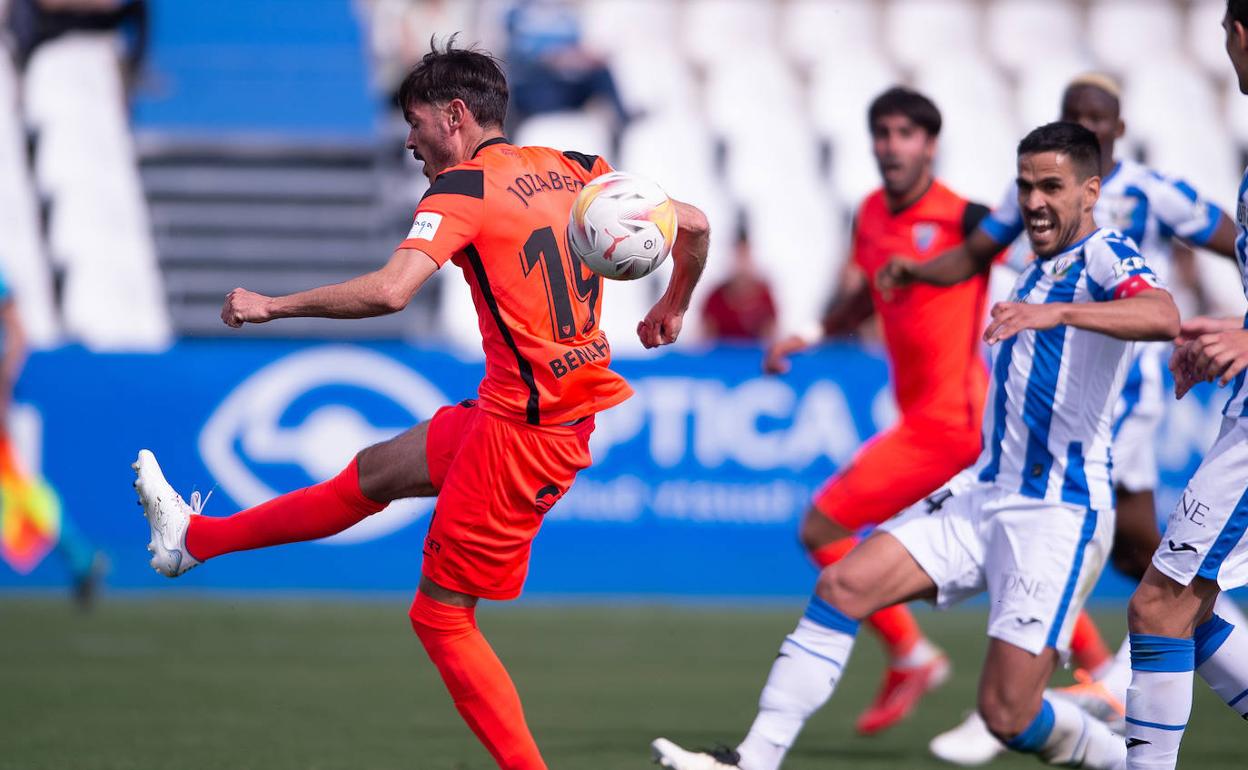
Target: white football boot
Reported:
[(969, 744), (168, 514), (664, 753)]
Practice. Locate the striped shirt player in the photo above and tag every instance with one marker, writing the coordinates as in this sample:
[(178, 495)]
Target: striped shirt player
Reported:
[(1152, 210), (1043, 476), (1206, 533)]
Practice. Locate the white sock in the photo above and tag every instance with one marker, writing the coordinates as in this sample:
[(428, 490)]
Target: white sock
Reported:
[(1118, 678), (1063, 734), (801, 680), (1079, 740), (1222, 657), (1159, 700), (922, 653)]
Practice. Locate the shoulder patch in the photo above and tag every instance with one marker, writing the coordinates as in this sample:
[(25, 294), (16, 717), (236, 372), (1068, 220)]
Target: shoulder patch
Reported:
[(972, 215), (469, 182), (586, 161)]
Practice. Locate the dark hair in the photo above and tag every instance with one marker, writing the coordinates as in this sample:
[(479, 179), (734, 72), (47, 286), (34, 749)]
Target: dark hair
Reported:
[(912, 104), (458, 73), (1070, 139), (1237, 10)]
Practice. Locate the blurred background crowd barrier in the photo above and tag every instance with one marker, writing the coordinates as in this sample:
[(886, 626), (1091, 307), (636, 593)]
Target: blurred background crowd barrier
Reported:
[(154, 154), (696, 488)]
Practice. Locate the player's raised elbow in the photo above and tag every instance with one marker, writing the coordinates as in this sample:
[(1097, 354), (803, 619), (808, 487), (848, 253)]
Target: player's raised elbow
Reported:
[(692, 220)]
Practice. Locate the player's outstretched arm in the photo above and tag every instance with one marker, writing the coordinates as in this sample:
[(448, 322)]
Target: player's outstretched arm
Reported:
[(952, 266), (1148, 315), (662, 324), (383, 291), (1223, 239)]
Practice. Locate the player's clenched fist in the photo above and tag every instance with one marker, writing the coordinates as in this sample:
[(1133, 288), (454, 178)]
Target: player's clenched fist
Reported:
[(897, 273), (777, 359), (1010, 318), (242, 306), (661, 326)]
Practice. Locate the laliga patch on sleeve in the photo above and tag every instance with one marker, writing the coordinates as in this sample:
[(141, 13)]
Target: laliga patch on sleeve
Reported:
[(425, 226)]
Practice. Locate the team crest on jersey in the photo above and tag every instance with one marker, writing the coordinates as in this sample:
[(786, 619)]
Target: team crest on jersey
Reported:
[(1061, 266), (924, 234)]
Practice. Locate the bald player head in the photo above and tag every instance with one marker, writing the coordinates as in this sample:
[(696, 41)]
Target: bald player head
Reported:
[(1093, 101)]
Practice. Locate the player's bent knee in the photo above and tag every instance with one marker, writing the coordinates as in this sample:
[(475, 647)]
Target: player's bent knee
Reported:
[(846, 592), (434, 622), (1146, 612)]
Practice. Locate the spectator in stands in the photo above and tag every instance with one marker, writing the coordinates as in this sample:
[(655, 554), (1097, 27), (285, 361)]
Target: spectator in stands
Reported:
[(740, 309), (549, 69), (34, 22)]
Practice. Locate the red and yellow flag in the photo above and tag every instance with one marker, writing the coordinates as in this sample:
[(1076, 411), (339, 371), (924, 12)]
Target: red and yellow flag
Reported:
[(30, 513)]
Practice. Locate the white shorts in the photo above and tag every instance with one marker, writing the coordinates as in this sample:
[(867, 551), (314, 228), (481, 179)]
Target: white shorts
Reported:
[(1137, 416), (1205, 536), (1037, 560)]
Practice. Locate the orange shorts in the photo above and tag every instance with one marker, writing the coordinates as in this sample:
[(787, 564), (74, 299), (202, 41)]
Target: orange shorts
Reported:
[(496, 479), (895, 470)]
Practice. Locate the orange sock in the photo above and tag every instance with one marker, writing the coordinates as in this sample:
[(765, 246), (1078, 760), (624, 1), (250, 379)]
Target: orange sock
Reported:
[(478, 683), (306, 514), (1087, 646), (895, 625)]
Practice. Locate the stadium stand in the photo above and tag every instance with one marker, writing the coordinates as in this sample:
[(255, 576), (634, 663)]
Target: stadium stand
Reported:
[(748, 107), (21, 248), (98, 232)]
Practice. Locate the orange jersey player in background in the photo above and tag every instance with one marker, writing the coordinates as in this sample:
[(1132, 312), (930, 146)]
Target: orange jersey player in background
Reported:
[(939, 376), (496, 464)]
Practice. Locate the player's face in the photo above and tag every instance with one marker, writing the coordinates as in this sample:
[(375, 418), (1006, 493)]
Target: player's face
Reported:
[(429, 137), (1096, 111), (1237, 49), (1054, 201), (903, 152)]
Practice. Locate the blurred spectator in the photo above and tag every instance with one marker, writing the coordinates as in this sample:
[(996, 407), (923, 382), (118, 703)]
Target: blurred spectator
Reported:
[(549, 70), (740, 309), (400, 32), (34, 22), (28, 503)]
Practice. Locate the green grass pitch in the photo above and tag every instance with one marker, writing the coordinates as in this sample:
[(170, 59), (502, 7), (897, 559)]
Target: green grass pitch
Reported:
[(186, 682)]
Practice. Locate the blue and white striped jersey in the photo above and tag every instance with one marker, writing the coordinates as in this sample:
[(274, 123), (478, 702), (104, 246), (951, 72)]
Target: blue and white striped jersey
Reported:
[(1236, 407), (1047, 423), (1147, 207)]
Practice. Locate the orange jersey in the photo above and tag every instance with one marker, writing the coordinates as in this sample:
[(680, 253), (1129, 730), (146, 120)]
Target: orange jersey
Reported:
[(502, 218), (932, 333)]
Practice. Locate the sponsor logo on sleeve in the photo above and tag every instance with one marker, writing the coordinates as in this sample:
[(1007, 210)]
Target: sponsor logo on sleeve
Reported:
[(425, 227)]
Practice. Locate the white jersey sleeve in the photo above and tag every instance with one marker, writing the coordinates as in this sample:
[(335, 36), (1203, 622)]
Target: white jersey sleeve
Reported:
[(1180, 210), (1116, 269)]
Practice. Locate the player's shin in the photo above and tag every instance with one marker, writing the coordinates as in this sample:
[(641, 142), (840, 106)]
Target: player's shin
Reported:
[(802, 679), (479, 685), (1222, 660), (306, 514), (1159, 700), (1064, 734)]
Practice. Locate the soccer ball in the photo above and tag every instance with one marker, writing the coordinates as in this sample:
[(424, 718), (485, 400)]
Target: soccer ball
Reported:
[(622, 226)]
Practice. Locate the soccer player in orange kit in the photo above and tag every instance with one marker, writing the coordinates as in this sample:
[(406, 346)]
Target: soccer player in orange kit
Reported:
[(496, 463), (939, 376)]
